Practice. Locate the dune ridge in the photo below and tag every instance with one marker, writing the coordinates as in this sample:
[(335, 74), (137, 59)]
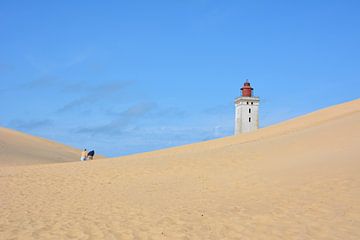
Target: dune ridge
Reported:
[(17, 148), (297, 124), (294, 180)]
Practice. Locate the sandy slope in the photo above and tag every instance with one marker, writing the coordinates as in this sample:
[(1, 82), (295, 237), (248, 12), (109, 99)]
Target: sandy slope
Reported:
[(17, 148), (296, 180)]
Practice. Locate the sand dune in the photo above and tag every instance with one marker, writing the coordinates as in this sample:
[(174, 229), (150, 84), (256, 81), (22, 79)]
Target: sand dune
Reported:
[(295, 180), (17, 148)]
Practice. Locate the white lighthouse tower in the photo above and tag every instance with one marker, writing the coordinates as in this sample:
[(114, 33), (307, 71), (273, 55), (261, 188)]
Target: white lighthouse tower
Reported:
[(246, 110)]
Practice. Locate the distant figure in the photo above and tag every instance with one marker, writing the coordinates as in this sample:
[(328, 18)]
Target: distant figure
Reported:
[(83, 155), (90, 155)]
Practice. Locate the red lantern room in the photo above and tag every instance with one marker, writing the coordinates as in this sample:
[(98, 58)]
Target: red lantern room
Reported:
[(246, 89)]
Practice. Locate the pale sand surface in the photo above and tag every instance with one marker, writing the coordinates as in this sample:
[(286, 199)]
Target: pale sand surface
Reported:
[(296, 180)]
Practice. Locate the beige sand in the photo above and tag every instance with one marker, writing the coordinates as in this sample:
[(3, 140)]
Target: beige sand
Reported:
[(17, 148), (296, 180)]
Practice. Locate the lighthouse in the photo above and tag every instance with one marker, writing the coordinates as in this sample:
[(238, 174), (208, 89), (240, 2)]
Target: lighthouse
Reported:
[(246, 110)]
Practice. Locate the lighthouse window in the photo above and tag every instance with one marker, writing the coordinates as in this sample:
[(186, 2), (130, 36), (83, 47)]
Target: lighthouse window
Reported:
[(252, 103), (247, 103), (249, 110), (249, 119)]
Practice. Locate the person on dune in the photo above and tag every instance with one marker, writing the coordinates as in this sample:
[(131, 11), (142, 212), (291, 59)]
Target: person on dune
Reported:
[(90, 155), (83, 155)]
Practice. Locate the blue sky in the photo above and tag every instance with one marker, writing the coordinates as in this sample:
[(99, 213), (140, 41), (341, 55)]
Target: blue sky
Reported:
[(131, 76)]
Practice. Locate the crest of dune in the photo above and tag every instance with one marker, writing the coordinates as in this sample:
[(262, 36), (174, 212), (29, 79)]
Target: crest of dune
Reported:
[(17, 148)]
